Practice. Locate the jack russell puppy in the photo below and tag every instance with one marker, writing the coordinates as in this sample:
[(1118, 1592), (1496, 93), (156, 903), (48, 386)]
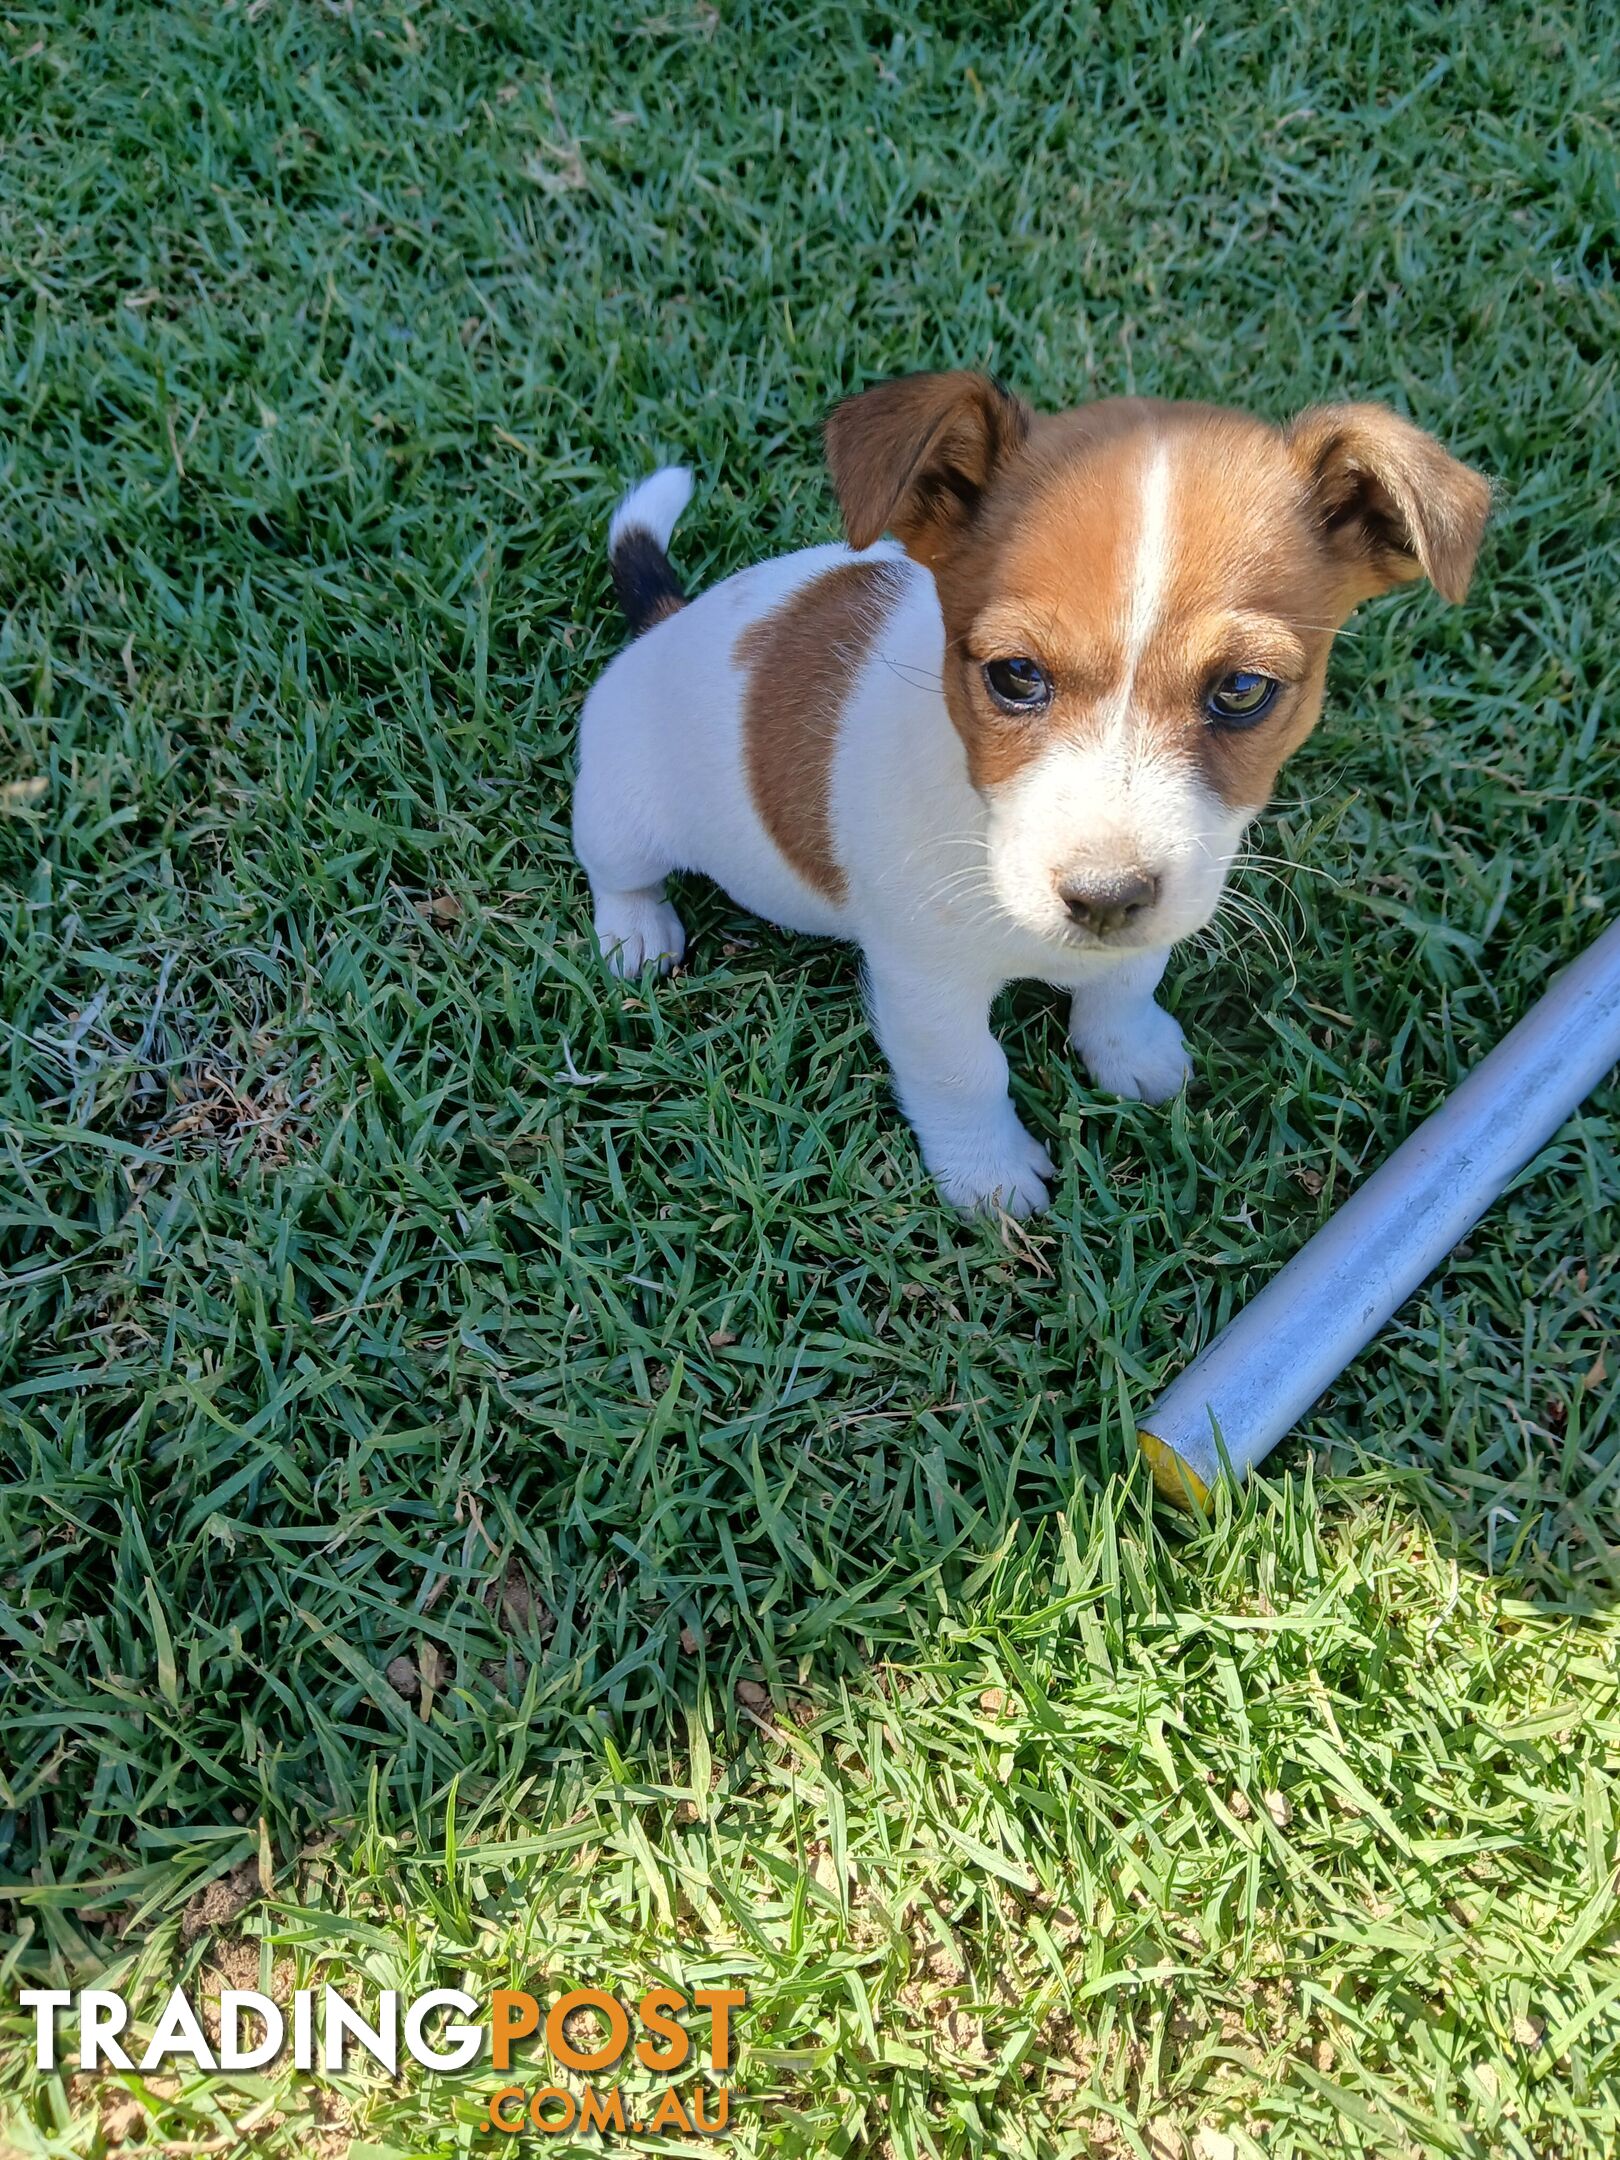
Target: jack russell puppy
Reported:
[(1023, 737)]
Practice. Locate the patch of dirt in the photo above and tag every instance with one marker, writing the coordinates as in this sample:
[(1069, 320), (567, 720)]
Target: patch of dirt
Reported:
[(216, 1105), (122, 2116), (214, 1908), (517, 1607), (403, 1677), (421, 1679), (523, 1617), (233, 1963), (336, 2132)]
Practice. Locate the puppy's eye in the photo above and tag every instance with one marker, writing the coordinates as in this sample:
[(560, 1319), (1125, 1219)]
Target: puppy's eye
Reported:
[(1018, 685), (1240, 699)]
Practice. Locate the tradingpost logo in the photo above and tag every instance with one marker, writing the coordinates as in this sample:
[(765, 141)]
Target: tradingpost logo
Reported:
[(586, 2032), (665, 2047)]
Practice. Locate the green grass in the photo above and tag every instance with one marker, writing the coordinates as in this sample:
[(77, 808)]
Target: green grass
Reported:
[(367, 1250)]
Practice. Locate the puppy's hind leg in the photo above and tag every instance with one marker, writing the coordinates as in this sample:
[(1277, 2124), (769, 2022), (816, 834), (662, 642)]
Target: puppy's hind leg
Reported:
[(635, 925)]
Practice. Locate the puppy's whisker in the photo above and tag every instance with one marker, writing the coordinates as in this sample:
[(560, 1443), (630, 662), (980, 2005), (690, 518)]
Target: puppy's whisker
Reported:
[(1276, 863), (918, 677), (1265, 925), (978, 841), (1267, 877), (949, 889), (951, 892)]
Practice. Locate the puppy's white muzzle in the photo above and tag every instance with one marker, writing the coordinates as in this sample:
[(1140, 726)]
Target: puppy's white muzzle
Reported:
[(1117, 846)]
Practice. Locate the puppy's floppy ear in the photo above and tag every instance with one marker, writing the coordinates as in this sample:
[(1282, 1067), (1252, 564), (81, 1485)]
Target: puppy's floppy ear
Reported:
[(913, 456), (1391, 503)]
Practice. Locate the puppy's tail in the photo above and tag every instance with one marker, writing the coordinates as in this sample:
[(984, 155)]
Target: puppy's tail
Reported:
[(647, 587)]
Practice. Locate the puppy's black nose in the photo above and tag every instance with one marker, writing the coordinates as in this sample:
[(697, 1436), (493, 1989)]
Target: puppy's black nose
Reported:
[(1103, 905)]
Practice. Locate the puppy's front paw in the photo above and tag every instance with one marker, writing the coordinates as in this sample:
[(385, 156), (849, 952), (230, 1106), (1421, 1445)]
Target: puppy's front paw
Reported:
[(637, 930), (1143, 1056), (1003, 1168)]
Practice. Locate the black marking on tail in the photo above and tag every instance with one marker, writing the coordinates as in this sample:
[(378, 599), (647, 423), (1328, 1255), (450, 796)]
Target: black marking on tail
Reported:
[(648, 589)]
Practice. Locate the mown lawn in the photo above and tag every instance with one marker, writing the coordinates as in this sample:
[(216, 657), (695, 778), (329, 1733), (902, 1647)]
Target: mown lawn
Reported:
[(778, 1597)]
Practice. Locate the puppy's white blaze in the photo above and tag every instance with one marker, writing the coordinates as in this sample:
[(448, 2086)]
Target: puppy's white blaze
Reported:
[(1152, 552), (1149, 568)]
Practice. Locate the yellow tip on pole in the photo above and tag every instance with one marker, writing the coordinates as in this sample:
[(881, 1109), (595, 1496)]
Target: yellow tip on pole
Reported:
[(1173, 1478)]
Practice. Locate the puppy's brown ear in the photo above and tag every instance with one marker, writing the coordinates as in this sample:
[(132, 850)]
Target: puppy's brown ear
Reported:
[(1392, 504), (914, 456)]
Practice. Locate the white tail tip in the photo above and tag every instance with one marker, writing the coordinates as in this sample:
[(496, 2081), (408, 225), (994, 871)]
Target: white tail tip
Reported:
[(653, 507)]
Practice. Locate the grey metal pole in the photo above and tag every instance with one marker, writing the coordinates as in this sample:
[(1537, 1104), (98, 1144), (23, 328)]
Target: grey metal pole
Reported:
[(1269, 1364)]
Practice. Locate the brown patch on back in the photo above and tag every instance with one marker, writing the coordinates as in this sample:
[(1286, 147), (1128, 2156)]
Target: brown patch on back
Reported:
[(802, 661)]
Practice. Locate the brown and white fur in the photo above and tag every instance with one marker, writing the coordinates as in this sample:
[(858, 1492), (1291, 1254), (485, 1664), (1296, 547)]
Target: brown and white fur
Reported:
[(819, 733)]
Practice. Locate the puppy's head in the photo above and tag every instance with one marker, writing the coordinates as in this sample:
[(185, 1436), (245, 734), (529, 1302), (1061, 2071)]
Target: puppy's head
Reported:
[(1139, 599)]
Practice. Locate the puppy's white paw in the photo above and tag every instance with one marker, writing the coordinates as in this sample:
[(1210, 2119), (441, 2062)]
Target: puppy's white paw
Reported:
[(1143, 1056), (637, 930), (1004, 1167)]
